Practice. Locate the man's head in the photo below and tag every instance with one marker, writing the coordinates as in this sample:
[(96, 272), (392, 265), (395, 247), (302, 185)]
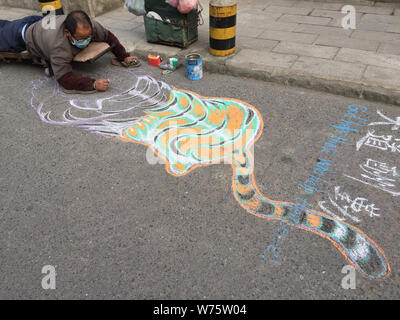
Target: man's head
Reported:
[(78, 28)]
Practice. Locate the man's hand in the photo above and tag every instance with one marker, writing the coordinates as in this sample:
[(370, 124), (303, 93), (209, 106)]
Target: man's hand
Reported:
[(129, 60), (101, 84)]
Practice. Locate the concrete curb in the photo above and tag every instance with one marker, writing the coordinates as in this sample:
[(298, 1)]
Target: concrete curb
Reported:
[(289, 77)]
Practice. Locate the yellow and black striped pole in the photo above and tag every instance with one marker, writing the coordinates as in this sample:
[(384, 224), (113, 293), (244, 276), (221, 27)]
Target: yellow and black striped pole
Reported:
[(222, 27), (50, 6)]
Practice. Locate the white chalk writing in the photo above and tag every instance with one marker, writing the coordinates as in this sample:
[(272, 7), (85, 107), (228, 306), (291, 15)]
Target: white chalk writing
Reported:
[(379, 175), (383, 142), (394, 123), (348, 207)]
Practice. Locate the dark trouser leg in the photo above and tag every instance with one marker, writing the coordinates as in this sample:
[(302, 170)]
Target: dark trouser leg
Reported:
[(3, 22), (10, 33)]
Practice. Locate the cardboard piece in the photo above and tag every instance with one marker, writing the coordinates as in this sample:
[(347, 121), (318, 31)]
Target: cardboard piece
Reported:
[(93, 52)]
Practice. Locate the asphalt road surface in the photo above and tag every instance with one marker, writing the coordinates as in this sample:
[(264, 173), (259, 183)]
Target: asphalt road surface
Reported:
[(114, 225)]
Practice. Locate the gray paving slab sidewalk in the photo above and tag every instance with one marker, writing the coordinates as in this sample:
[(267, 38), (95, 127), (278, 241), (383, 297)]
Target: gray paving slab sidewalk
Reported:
[(291, 42)]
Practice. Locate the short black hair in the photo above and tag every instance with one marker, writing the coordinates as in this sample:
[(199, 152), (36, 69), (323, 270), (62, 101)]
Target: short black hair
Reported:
[(77, 17)]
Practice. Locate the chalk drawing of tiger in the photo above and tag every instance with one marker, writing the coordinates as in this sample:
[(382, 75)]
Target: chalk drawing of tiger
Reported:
[(188, 131)]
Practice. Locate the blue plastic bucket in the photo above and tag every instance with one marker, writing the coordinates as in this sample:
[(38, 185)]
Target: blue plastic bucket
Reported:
[(194, 66)]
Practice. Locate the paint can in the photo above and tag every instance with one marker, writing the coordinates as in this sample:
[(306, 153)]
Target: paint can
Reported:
[(194, 66)]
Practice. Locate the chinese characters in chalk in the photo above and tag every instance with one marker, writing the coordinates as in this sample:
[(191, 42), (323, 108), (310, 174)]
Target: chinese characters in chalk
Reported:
[(394, 123), (381, 142), (342, 206), (379, 175)]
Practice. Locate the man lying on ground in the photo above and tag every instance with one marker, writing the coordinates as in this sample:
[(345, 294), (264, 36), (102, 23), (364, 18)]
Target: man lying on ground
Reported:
[(55, 40)]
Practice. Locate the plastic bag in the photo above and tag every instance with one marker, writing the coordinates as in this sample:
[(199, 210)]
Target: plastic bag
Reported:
[(185, 6), (173, 3), (136, 7)]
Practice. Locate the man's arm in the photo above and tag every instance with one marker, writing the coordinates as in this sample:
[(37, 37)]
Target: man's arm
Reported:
[(71, 81), (62, 68), (68, 80), (102, 34), (119, 51)]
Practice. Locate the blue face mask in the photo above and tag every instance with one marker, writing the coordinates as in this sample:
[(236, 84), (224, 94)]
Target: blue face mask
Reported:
[(81, 44)]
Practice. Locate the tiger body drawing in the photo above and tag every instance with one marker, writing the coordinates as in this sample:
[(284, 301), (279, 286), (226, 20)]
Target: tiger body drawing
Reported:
[(187, 130)]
